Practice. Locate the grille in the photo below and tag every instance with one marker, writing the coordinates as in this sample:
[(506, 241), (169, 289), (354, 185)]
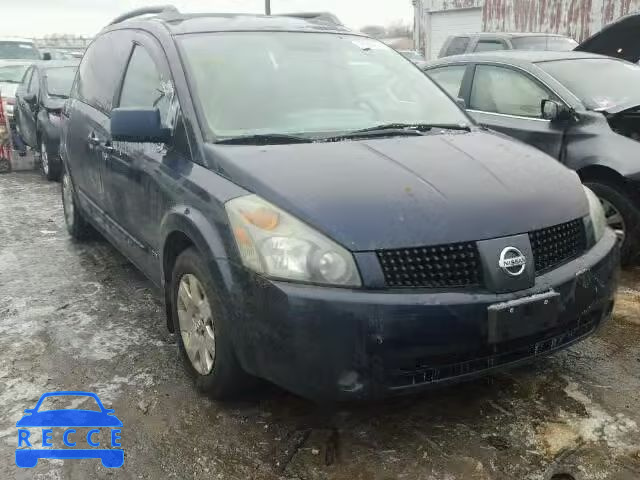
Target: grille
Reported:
[(555, 245), (453, 265), (509, 352)]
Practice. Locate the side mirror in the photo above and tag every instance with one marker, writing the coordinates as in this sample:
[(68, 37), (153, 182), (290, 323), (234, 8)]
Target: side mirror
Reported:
[(46, 56), (138, 125), (554, 111), (461, 103)]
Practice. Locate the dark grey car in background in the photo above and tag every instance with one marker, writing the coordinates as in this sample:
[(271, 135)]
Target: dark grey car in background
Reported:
[(581, 108), (39, 100)]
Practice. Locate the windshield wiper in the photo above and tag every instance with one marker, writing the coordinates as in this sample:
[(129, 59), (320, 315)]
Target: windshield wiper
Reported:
[(264, 139), (389, 129)]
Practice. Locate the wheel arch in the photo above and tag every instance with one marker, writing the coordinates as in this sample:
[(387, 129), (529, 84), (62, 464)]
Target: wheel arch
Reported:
[(595, 173), (183, 228)]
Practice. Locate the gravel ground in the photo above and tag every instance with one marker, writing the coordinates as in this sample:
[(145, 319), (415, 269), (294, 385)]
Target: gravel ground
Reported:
[(80, 317)]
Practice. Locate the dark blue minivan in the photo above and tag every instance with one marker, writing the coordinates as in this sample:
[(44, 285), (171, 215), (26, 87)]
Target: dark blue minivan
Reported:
[(319, 213)]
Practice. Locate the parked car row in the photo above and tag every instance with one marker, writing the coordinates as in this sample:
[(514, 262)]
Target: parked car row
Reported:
[(39, 101), (580, 108), (320, 214), (495, 41)]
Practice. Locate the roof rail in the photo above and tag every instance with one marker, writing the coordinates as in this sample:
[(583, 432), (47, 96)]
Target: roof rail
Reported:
[(144, 11), (325, 17)]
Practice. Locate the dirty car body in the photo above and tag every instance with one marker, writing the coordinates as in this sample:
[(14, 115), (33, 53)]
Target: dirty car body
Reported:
[(360, 239)]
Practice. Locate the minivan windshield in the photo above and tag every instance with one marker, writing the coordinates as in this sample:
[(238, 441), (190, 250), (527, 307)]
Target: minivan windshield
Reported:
[(59, 81), (307, 84), (17, 50), (600, 83)]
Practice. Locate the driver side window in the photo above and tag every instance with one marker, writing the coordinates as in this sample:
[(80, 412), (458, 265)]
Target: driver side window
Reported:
[(144, 87), (506, 91)]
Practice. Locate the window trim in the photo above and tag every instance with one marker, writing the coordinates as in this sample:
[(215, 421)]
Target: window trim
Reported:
[(519, 117)]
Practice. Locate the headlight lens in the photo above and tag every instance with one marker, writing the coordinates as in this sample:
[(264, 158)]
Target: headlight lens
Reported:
[(276, 244), (596, 215)]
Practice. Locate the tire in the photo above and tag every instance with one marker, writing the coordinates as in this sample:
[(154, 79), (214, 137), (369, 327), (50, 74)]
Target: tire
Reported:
[(77, 226), (49, 164), (219, 375), (5, 165), (618, 198)]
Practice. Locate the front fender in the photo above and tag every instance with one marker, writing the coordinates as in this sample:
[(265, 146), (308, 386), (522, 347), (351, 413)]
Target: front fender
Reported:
[(207, 238), (596, 144)]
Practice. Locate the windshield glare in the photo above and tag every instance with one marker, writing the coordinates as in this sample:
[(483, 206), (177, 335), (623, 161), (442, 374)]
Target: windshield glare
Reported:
[(598, 82), (12, 74), (313, 84), (18, 51), (544, 42), (59, 80)]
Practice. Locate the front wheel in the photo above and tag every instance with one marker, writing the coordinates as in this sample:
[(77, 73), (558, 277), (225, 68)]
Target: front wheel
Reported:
[(623, 217), (49, 164), (77, 226), (203, 332)]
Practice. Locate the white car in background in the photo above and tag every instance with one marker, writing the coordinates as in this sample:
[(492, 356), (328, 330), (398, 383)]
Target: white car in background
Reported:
[(11, 74), (18, 49)]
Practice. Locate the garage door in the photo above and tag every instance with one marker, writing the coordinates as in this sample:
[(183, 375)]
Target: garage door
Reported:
[(452, 22)]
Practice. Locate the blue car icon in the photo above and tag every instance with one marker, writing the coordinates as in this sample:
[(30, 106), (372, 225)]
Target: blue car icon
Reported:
[(69, 418)]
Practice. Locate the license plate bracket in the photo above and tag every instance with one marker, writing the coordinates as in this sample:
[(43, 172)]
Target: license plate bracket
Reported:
[(522, 317)]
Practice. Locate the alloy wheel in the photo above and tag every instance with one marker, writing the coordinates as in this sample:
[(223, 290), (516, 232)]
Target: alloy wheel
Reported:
[(44, 158), (614, 218), (67, 199), (196, 324)]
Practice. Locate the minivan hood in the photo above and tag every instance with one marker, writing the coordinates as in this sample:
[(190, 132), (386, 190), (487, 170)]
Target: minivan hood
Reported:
[(618, 39), (410, 191)]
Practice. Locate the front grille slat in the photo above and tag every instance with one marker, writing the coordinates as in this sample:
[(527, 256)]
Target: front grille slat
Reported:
[(440, 266), (556, 245), (458, 265)]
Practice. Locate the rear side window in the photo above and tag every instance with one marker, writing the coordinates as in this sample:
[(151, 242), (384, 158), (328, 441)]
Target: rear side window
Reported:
[(489, 46), (143, 85), (457, 46), (101, 70), (449, 78)]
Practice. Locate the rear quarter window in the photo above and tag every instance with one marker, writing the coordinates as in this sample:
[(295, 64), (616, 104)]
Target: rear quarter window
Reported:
[(489, 46), (101, 70), (449, 78), (457, 46)]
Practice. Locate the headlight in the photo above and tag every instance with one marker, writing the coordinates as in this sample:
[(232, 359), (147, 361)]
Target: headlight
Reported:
[(274, 243), (596, 215)]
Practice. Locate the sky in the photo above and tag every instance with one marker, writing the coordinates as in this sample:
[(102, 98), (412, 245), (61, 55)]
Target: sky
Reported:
[(34, 18)]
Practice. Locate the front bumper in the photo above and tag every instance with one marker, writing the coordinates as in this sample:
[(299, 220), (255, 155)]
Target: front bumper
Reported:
[(340, 344)]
